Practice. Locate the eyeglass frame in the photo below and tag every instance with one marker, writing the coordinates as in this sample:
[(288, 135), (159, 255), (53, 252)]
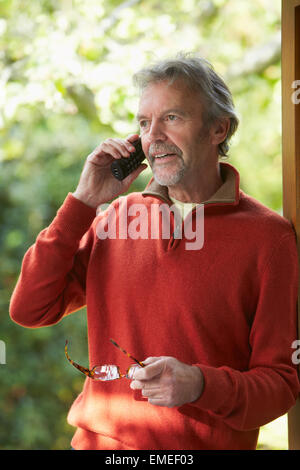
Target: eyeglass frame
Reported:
[(91, 372)]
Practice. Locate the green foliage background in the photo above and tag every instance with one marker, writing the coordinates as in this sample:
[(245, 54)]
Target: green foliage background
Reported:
[(65, 84)]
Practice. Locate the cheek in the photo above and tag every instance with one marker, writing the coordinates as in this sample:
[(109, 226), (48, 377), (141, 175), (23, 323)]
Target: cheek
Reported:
[(145, 146), (183, 144), (181, 136)]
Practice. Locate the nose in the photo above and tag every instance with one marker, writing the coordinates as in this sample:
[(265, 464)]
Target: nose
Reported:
[(156, 131)]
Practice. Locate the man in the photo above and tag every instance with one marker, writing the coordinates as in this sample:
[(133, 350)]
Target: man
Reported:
[(213, 326)]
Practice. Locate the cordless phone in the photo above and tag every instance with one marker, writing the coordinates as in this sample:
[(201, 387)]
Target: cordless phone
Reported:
[(124, 166)]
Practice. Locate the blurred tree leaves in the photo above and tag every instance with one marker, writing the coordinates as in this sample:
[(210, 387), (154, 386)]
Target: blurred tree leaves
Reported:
[(65, 84)]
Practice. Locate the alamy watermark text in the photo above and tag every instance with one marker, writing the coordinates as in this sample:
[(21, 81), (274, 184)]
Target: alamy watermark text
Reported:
[(139, 221)]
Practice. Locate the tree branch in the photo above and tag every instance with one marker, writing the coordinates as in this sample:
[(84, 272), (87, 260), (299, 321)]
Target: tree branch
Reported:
[(111, 20), (257, 59)]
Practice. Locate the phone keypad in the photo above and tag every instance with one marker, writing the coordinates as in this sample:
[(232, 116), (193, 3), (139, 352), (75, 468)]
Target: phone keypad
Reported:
[(124, 166)]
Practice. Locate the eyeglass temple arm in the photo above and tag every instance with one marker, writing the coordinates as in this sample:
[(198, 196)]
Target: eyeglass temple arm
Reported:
[(85, 370), (127, 354)]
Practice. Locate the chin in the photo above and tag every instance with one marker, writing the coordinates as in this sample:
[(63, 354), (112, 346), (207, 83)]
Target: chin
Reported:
[(167, 179)]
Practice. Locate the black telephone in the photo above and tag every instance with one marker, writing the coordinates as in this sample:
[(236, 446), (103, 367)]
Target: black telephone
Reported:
[(124, 166)]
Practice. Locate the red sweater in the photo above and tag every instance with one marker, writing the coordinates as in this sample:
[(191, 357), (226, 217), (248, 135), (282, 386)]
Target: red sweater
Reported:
[(229, 308)]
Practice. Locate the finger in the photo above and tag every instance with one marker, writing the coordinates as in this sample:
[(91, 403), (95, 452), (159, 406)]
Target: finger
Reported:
[(128, 147), (158, 402), (151, 370), (136, 385), (151, 359), (152, 393), (116, 148), (132, 137), (154, 384)]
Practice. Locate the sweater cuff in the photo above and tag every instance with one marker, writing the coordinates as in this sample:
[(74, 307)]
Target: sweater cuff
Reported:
[(74, 217), (216, 390)]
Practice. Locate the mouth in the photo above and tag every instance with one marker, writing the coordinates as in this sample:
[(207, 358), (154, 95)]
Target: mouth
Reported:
[(164, 156), (160, 153)]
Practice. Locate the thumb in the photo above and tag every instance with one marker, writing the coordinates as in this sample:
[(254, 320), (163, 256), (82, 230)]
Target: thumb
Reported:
[(153, 367)]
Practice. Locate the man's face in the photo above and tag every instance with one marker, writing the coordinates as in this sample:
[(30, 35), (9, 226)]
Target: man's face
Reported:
[(172, 131)]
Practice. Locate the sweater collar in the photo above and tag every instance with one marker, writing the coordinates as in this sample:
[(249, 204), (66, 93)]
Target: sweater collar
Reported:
[(227, 193)]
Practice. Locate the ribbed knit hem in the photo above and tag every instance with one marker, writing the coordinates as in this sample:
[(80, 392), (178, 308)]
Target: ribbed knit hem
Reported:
[(88, 440)]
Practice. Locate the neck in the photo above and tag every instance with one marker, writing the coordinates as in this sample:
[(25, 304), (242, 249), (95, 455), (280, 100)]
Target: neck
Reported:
[(200, 189)]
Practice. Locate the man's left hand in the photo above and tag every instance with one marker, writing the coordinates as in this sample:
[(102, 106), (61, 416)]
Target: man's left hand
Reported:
[(165, 381)]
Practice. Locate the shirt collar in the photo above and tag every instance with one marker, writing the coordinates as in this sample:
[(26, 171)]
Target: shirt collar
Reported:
[(227, 193)]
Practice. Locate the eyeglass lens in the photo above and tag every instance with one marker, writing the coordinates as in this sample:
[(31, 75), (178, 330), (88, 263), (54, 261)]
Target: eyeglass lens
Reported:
[(111, 372)]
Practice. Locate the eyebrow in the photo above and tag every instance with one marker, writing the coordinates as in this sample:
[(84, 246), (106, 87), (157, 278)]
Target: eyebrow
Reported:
[(178, 111)]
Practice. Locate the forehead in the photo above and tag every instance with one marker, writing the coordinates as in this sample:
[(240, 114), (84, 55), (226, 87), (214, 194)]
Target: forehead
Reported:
[(158, 96)]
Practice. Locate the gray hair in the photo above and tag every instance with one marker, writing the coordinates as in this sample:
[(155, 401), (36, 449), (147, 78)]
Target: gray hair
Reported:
[(200, 76)]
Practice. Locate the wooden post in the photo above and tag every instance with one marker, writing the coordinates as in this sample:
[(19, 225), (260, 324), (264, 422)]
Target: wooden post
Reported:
[(291, 152)]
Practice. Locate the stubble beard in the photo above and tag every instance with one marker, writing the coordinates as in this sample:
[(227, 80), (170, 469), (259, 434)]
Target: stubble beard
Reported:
[(167, 176), (169, 173)]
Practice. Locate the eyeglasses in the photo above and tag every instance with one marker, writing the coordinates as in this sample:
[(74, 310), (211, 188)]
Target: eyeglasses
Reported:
[(107, 371)]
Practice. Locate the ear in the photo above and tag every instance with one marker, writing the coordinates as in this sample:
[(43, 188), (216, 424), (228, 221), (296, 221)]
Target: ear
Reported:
[(219, 131)]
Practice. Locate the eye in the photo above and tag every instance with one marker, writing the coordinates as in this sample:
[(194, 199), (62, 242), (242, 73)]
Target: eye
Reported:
[(143, 124), (172, 117)]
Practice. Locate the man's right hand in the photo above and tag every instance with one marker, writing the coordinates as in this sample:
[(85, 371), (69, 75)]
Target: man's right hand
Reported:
[(97, 185)]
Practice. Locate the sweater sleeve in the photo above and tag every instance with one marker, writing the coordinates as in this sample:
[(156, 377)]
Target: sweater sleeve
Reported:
[(52, 279), (269, 387)]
